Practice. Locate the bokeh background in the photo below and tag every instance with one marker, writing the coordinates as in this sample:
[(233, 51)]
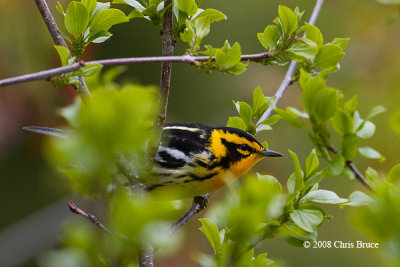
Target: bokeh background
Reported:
[(33, 195)]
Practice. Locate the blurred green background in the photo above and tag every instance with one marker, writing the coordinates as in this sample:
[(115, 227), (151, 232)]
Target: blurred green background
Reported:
[(369, 69)]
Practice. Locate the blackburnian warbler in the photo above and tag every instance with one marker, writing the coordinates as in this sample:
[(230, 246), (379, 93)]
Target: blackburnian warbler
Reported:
[(195, 159)]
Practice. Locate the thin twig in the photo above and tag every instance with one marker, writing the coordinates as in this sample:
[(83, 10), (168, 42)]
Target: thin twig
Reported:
[(199, 203), (47, 74), (73, 208), (359, 175), (288, 79), (48, 18)]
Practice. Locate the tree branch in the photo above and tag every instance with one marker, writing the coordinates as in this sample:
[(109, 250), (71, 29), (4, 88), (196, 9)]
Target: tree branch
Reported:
[(59, 40), (288, 79), (199, 203), (73, 208), (47, 74)]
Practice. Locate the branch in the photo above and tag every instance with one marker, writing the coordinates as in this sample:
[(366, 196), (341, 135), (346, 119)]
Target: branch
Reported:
[(73, 208), (59, 40), (199, 203), (288, 79), (48, 74)]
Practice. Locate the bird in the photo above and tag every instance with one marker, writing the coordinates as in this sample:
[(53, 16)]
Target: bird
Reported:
[(194, 159)]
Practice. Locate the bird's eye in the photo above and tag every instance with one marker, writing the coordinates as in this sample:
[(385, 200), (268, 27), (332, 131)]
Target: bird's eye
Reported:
[(244, 147)]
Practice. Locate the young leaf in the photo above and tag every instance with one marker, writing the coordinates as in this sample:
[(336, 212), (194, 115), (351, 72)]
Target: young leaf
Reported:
[(394, 121), (328, 56), (335, 167), (312, 163), (272, 120), (313, 34), (358, 198), (213, 14), (324, 196), (259, 105), (90, 5), (375, 111), (60, 9), (202, 26), (236, 122), (289, 117), (302, 49), (307, 219), (370, 153), (269, 37), (297, 167), (187, 6), (229, 58), (342, 122), (324, 105), (349, 146), (245, 112), (394, 174), (367, 130), (76, 19), (288, 19), (210, 230), (63, 53), (341, 42), (105, 19)]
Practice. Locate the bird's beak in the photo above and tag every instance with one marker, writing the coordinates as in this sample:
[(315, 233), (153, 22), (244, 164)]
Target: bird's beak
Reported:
[(270, 153)]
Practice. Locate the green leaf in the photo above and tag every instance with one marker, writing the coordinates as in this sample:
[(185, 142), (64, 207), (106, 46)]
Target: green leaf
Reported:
[(269, 37), (63, 53), (314, 34), (289, 117), (323, 196), (297, 167), (90, 5), (236, 122), (371, 175), (291, 183), (294, 241), (105, 19), (259, 105), (328, 56), (277, 187), (394, 121), (237, 69), (307, 219), (187, 6), (349, 146), (394, 174), (76, 19), (302, 49), (370, 153), (312, 163), (60, 9), (324, 104), (341, 42), (245, 112), (357, 199), (342, 122), (229, 58), (351, 105), (288, 20), (375, 111), (188, 34), (367, 130), (210, 230), (213, 14), (298, 113), (135, 14), (335, 167), (202, 26), (133, 3), (272, 120)]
